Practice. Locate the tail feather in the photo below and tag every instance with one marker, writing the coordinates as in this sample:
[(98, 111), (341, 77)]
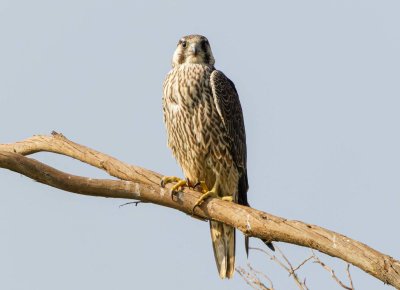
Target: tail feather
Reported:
[(223, 241)]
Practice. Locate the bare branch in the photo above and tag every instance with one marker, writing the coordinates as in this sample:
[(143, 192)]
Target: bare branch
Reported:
[(131, 202), (262, 274), (251, 278), (330, 270), (349, 276), (286, 265), (302, 263), (246, 277), (144, 185)]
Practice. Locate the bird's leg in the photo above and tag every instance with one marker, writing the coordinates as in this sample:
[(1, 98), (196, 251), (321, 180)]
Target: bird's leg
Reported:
[(180, 183), (211, 193), (214, 192), (204, 187), (169, 179)]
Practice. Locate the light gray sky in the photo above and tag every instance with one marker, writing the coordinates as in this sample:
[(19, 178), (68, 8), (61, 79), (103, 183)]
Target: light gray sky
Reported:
[(319, 86)]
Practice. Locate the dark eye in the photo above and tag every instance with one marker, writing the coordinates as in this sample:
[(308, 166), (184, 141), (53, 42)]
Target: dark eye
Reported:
[(204, 44), (183, 43)]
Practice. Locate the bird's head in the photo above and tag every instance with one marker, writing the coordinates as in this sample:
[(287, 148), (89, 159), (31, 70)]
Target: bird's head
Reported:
[(193, 49)]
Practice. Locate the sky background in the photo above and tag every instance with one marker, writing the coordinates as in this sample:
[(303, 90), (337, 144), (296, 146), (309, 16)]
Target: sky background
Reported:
[(320, 91)]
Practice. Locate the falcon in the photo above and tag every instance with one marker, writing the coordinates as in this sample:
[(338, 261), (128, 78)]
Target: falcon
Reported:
[(206, 134)]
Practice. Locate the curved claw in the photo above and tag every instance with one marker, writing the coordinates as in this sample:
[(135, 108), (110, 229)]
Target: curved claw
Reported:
[(196, 205), (178, 186), (174, 194), (211, 193), (194, 185), (203, 197), (180, 183), (168, 179)]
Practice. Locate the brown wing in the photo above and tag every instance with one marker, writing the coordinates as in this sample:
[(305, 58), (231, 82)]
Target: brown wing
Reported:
[(227, 102)]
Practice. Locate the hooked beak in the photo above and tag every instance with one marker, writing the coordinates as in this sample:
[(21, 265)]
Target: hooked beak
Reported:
[(194, 48)]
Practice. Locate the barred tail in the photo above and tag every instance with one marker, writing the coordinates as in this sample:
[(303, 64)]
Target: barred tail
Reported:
[(223, 241)]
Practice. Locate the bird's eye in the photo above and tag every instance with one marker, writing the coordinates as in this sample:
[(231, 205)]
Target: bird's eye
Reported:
[(204, 44), (183, 43)]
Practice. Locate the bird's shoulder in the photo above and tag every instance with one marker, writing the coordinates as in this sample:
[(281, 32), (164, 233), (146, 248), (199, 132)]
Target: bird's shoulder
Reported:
[(222, 83)]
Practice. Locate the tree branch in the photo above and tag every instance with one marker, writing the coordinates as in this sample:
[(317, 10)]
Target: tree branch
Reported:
[(144, 185), (332, 272)]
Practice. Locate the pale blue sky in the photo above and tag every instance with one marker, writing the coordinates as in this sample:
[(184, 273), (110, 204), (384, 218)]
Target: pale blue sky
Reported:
[(319, 86)]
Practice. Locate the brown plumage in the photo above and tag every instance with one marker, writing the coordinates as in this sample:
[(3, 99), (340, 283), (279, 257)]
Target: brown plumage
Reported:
[(206, 133)]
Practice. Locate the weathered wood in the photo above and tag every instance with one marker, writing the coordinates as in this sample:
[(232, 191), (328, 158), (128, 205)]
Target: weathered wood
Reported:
[(142, 184)]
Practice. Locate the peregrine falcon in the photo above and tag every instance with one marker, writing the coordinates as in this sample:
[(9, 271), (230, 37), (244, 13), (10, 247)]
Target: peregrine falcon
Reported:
[(206, 134)]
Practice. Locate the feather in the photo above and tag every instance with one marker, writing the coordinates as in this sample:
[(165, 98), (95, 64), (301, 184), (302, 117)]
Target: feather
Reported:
[(223, 242), (227, 102)]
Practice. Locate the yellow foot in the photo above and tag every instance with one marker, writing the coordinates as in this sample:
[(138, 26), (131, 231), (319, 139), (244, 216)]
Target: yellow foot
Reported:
[(227, 198), (204, 188), (180, 183), (209, 193), (205, 195), (168, 179)]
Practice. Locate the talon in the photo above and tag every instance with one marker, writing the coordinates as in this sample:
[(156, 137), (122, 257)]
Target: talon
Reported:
[(204, 196), (168, 179), (180, 183), (195, 185), (194, 209), (174, 195)]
